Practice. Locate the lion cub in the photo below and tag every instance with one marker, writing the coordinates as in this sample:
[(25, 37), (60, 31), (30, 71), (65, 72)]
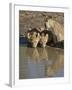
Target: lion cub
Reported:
[(34, 38), (43, 39)]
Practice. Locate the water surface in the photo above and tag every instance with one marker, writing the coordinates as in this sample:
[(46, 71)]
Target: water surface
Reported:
[(40, 62)]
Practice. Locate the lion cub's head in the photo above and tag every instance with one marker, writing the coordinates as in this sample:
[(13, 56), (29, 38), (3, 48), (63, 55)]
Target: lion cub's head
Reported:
[(33, 38), (43, 40)]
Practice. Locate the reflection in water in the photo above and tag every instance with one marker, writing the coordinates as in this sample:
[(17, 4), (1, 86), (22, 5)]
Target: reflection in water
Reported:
[(55, 67), (40, 62)]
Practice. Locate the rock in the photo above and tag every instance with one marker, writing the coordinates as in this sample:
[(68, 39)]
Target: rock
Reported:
[(36, 19), (58, 29), (59, 44)]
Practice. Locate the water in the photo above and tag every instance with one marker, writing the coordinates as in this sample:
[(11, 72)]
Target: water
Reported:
[(40, 62)]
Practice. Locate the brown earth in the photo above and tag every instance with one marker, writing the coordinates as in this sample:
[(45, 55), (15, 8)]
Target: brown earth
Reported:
[(34, 19)]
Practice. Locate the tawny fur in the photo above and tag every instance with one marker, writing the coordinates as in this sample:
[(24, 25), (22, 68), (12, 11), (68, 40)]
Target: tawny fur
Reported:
[(43, 40), (58, 29), (34, 38)]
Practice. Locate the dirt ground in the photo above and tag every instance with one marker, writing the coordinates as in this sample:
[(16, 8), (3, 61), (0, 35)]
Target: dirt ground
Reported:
[(33, 19)]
